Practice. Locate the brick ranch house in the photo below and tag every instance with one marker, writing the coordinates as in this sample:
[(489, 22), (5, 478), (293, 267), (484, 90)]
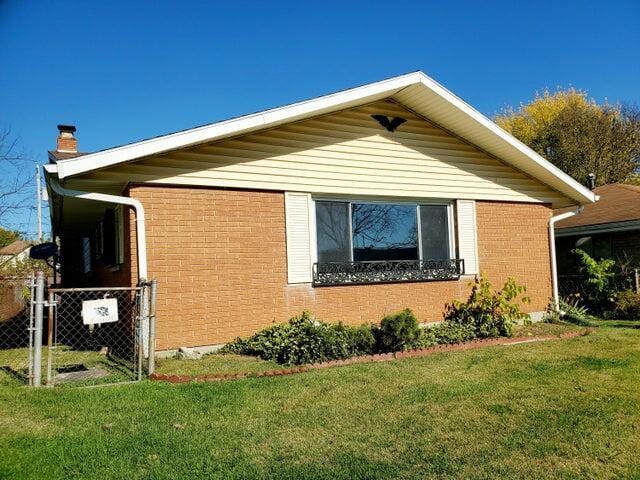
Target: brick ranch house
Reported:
[(352, 205)]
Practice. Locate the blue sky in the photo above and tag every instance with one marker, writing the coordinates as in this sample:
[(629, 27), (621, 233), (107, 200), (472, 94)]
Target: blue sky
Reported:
[(123, 71)]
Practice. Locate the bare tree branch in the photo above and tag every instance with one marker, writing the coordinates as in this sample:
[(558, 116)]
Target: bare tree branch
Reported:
[(17, 177)]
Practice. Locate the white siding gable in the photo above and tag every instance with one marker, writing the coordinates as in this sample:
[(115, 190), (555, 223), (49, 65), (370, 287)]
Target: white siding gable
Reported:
[(344, 153)]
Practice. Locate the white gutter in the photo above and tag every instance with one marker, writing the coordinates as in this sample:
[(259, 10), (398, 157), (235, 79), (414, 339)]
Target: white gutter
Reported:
[(103, 197), (552, 249)]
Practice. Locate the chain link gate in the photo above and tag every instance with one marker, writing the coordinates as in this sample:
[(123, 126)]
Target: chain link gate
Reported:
[(96, 335)]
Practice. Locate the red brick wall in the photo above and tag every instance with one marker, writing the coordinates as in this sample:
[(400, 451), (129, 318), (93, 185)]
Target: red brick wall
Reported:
[(220, 260), (513, 241)]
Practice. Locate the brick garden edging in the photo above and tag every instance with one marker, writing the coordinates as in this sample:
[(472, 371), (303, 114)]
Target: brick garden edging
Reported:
[(382, 357)]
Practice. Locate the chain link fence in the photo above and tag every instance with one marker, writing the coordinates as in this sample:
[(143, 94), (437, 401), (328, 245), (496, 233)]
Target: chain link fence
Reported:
[(94, 335), (574, 285), (16, 330), (75, 336)]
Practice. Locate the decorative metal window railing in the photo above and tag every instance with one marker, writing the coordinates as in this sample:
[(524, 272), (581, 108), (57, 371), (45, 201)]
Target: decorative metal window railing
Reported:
[(392, 271)]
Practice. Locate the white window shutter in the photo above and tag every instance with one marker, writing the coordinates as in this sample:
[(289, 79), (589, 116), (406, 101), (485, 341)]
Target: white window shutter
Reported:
[(467, 235), (299, 241)]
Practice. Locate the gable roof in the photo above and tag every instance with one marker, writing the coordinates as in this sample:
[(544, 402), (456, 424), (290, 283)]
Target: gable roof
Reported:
[(416, 91), (15, 247), (617, 203)]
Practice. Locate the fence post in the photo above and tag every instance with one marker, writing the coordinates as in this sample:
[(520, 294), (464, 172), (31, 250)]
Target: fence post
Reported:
[(636, 279), (32, 299), (151, 365), (37, 338), (50, 328), (143, 312)]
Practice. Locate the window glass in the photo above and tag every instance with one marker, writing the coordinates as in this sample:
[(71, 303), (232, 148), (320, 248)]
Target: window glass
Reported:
[(332, 225), (434, 226), (384, 232), (86, 254), (110, 237)]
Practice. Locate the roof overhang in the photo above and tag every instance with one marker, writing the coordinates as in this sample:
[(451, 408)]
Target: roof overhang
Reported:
[(599, 228), (416, 91)]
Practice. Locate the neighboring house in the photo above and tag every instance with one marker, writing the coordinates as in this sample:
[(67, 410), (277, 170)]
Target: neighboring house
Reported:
[(609, 228), (321, 205), (11, 292), (14, 252)]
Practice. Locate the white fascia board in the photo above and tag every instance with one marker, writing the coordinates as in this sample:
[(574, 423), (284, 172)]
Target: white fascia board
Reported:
[(237, 126), (50, 168)]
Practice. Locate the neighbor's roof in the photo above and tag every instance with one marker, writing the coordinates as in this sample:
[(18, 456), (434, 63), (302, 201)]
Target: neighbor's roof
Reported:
[(415, 90), (618, 203), (15, 248)]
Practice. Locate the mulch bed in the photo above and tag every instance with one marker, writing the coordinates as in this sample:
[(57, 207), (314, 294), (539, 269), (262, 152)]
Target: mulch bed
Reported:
[(383, 357)]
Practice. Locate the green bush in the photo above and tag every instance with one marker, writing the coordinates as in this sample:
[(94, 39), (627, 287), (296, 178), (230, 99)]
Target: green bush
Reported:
[(597, 280), (490, 314), (265, 344), (399, 331), (305, 340), (446, 333), (361, 339), (569, 311), (626, 306)]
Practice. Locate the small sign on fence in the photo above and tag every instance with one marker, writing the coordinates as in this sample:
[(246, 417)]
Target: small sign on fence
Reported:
[(95, 312)]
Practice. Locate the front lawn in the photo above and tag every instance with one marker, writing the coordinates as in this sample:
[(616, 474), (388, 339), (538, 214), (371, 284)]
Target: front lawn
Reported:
[(556, 409), (214, 363), (224, 363)]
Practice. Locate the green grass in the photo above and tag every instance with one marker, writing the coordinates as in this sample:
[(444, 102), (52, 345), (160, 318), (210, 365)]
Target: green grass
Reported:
[(558, 409), (229, 363), (214, 363), (14, 365)]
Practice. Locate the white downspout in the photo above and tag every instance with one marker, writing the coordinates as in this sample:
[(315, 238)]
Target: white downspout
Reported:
[(103, 197), (552, 249)]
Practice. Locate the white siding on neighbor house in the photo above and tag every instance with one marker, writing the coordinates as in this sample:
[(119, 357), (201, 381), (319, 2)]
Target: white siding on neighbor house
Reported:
[(344, 153), (467, 235), (299, 236)]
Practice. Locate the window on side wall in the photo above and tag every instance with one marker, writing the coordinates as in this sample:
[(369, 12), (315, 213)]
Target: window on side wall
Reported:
[(112, 237), (86, 255), (362, 242)]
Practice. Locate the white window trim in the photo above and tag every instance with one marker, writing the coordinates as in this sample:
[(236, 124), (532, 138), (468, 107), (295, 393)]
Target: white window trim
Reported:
[(313, 239), (384, 200)]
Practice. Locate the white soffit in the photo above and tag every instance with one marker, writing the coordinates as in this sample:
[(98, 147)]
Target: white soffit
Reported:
[(416, 91)]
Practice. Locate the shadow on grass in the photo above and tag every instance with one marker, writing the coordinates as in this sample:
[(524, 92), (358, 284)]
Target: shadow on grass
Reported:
[(18, 375), (634, 324)]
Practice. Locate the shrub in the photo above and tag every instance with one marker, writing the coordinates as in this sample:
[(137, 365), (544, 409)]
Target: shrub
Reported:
[(361, 339), (626, 306), (305, 340), (265, 344), (490, 314), (446, 333), (399, 331), (597, 280), (569, 311)]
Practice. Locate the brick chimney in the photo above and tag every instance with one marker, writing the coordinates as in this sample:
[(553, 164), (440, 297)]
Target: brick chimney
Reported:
[(66, 141)]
